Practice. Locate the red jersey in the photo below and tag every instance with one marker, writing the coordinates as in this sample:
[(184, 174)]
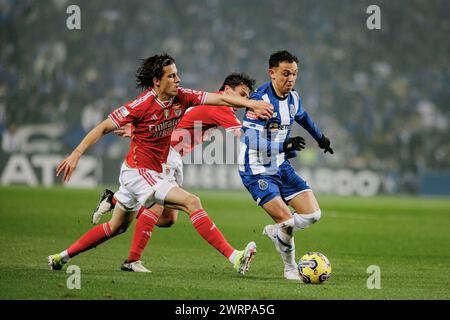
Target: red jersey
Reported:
[(197, 123), (153, 122)]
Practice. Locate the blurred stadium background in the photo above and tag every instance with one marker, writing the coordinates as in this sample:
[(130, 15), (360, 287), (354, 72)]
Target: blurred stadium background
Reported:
[(382, 96)]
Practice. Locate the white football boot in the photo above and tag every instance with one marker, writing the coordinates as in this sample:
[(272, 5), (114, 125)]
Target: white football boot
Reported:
[(288, 257), (291, 273), (103, 207), (135, 266)]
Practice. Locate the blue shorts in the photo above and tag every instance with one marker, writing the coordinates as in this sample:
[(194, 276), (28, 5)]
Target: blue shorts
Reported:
[(286, 183)]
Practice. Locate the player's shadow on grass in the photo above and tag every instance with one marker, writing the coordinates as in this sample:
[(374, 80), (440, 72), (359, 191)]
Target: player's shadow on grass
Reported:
[(265, 278)]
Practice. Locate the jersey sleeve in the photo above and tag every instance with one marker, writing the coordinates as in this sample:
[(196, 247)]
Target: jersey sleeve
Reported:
[(190, 97), (225, 117), (251, 119), (257, 140), (128, 113), (303, 119)]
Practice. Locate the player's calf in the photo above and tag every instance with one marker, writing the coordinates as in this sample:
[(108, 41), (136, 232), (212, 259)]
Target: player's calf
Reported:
[(121, 219)]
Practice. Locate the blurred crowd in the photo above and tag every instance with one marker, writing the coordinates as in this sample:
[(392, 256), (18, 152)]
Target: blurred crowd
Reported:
[(380, 95)]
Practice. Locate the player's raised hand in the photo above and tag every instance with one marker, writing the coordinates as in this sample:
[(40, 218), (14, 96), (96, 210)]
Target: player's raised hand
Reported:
[(262, 109), (325, 144), (68, 165), (124, 131)]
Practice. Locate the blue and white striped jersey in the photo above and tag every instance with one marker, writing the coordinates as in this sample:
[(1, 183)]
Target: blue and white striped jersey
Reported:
[(261, 145)]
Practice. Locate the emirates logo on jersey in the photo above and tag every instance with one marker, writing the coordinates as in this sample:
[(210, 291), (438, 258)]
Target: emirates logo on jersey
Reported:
[(165, 126)]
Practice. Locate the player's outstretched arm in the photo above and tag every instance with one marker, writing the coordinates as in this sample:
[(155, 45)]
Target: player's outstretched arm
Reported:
[(262, 109), (308, 124), (69, 164)]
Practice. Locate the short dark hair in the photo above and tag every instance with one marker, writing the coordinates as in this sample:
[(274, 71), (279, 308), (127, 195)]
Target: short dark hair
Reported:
[(281, 56), (234, 79), (150, 68)]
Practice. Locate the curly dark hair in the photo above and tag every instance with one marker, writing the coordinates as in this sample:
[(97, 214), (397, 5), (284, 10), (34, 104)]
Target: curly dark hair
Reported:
[(150, 68), (234, 79), (281, 56)]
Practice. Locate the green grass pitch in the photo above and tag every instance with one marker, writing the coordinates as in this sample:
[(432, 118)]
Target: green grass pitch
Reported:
[(407, 237)]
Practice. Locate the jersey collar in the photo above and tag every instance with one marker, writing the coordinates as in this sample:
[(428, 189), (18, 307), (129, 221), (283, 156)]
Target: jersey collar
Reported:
[(277, 96), (163, 104)]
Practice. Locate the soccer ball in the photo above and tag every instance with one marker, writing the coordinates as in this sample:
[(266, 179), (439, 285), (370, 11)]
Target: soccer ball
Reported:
[(314, 267)]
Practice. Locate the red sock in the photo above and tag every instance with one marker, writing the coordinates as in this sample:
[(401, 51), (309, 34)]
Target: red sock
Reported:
[(208, 230), (90, 239), (142, 233), (141, 209)]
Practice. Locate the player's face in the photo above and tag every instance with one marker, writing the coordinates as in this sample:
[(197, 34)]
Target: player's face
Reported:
[(169, 82), (284, 77), (240, 90)]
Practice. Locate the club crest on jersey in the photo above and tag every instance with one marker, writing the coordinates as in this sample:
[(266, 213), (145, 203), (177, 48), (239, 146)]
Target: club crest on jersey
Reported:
[(292, 110), (177, 112), (262, 184), (177, 109), (166, 113)]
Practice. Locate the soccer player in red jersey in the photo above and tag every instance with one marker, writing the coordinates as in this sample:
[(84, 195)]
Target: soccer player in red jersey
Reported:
[(193, 129), (154, 115)]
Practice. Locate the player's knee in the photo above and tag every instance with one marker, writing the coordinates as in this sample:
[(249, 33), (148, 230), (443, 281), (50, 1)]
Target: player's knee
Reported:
[(316, 215), (302, 221), (157, 209), (117, 228), (193, 203)]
